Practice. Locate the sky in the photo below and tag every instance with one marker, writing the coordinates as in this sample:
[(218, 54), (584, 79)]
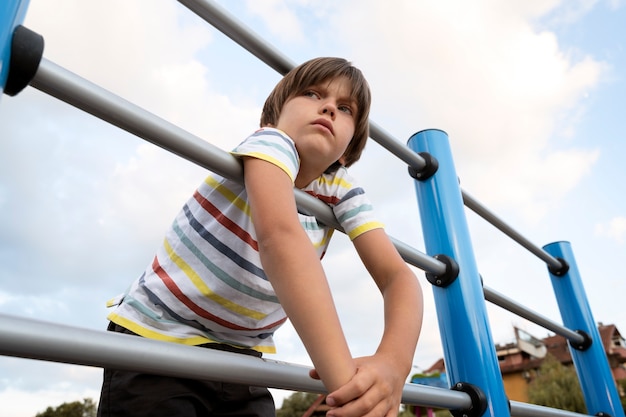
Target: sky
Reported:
[(531, 94)]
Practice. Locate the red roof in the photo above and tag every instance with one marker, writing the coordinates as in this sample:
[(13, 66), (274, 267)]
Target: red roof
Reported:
[(558, 347)]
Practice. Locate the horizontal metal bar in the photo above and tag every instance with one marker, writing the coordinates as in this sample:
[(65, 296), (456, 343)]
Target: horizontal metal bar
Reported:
[(34, 339), (245, 37), (519, 409), (416, 258), (219, 18), (87, 96), (91, 98), (74, 90), (486, 214), (514, 307), (223, 21)]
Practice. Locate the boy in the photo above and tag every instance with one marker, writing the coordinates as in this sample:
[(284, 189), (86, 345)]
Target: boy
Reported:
[(240, 259)]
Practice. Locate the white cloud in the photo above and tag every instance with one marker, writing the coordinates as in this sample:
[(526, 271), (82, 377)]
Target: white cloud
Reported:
[(614, 229), (501, 89), (279, 17), (507, 92)]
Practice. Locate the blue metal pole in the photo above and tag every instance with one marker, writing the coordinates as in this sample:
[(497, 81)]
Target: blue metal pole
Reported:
[(589, 357), (12, 13), (469, 350)]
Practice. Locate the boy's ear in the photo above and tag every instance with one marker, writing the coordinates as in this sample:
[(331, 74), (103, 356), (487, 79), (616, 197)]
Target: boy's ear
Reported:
[(342, 160)]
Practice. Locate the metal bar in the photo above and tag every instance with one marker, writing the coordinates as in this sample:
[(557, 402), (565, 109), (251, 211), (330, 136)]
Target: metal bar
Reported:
[(419, 259), (469, 351), (401, 151), (34, 339), (488, 215), (530, 410), (93, 99), (516, 308), (216, 16), (590, 359), (82, 94), (87, 96), (223, 21)]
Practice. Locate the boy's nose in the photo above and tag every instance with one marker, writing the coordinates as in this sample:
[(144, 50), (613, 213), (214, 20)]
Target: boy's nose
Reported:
[(328, 109)]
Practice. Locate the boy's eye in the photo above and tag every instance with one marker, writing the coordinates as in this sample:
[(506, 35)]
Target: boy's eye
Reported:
[(310, 93), (345, 108)]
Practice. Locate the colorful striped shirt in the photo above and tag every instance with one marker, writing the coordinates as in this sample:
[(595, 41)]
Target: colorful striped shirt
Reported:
[(206, 283)]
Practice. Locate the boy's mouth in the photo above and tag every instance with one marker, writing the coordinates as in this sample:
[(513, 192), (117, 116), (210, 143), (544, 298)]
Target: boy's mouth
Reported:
[(324, 122)]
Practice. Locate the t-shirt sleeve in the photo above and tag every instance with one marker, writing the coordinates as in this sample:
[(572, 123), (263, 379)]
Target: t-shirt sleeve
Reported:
[(273, 146), (350, 204)]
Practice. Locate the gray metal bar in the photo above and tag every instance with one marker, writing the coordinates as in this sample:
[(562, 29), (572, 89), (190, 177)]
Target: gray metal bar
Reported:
[(512, 306), (397, 148), (219, 18), (231, 27), (33, 339), (216, 16), (419, 259), (488, 215), (519, 409), (74, 90), (80, 93)]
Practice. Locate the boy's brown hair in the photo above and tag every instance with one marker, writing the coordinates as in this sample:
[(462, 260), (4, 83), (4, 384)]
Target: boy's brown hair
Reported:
[(317, 71)]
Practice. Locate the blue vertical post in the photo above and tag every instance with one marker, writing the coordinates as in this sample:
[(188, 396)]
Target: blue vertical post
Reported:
[(589, 357), (12, 13), (469, 351)]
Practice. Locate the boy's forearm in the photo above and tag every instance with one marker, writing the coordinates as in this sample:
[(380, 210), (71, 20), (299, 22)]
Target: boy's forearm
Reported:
[(298, 279), (403, 308), (295, 271), (402, 295)]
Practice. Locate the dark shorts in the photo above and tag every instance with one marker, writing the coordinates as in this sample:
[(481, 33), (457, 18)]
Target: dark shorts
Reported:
[(133, 394)]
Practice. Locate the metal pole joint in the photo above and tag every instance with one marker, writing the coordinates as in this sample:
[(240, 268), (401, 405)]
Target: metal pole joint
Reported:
[(479, 400), (429, 169), (585, 344), (451, 273), (561, 270)]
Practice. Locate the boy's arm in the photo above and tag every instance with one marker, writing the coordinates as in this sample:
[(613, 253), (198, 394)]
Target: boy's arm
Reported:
[(295, 271), (378, 383)]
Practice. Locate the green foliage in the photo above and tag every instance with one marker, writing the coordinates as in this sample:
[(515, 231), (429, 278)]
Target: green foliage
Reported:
[(296, 404), (426, 375), (556, 386), (405, 411), (75, 409)]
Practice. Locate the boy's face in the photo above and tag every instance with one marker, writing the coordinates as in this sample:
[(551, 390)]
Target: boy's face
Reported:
[(321, 122)]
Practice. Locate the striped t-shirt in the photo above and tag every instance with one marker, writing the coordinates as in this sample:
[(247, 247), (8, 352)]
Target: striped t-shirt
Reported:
[(206, 283)]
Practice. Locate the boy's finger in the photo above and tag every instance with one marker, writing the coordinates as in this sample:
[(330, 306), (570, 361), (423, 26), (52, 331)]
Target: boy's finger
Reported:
[(313, 374), (347, 393)]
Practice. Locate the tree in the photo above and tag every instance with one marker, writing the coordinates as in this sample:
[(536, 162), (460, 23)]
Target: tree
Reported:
[(296, 404), (556, 386), (75, 409)]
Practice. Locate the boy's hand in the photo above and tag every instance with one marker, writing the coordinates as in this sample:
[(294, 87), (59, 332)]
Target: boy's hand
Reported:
[(374, 391)]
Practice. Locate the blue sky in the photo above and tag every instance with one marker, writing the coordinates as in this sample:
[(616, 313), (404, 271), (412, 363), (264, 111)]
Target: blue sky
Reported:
[(530, 92)]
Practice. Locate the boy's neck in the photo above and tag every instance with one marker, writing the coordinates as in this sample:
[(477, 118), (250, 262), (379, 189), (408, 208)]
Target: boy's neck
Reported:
[(302, 179)]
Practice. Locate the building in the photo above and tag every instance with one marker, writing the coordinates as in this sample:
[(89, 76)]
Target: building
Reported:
[(520, 360)]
